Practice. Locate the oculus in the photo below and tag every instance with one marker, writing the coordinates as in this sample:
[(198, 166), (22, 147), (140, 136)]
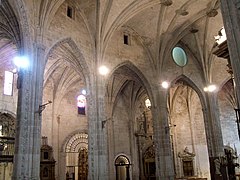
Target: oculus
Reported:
[(179, 56)]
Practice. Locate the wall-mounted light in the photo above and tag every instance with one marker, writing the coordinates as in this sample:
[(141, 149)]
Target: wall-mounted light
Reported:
[(103, 70), (21, 61), (210, 88), (167, 128), (165, 84), (42, 107), (14, 71), (104, 122), (84, 92)]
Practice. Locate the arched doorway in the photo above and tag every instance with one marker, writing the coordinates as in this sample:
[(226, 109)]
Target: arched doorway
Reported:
[(83, 164), (149, 163), (77, 157), (122, 166)]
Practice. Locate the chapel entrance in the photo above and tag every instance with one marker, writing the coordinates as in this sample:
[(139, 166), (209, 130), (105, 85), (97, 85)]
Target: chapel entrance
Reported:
[(122, 166), (77, 157), (149, 163), (83, 164)]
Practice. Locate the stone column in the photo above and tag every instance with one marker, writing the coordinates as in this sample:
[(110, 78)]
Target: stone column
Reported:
[(97, 134), (214, 137), (28, 125), (164, 158), (231, 13)]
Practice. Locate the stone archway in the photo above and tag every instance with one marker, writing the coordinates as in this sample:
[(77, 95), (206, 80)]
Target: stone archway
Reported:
[(122, 165), (76, 150)]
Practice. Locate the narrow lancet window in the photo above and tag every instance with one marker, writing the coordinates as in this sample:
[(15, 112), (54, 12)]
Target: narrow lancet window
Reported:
[(81, 102), (8, 83)]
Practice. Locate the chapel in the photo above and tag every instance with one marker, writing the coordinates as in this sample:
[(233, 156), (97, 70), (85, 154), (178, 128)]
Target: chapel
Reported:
[(119, 89)]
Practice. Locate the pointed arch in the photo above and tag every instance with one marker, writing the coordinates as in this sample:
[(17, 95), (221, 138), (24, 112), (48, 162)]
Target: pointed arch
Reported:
[(10, 113), (11, 27), (115, 86), (227, 89), (138, 73), (191, 84), (122, 159), (78, 61), (224, 82)]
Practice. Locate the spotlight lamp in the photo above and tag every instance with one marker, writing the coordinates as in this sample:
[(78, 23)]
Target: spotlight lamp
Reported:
[(21, 62), (84, 92), (210, 88), (103, 70), (165, 84)]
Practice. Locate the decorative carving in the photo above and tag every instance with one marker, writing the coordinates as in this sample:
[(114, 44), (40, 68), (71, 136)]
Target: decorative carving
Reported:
[(186, 154), (83, 164), (8, 125), (212, 13), (193, 30), (182, 12), (166, 2), (150, 153)]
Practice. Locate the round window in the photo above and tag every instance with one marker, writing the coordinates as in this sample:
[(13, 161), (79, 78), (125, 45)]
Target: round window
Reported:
[(179, 56)]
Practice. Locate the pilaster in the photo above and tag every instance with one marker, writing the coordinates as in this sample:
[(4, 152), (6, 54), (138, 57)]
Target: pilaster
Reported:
[(214, 137), (28, 125), (97, 135), (164, 157)]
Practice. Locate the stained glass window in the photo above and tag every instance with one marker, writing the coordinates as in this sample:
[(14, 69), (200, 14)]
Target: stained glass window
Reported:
[(81, 102)]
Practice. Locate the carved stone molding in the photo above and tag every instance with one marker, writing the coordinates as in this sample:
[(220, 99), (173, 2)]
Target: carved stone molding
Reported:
[(8, 125), (150, 153), (186, 154), (182, 12), (212, 13), (166, 2)]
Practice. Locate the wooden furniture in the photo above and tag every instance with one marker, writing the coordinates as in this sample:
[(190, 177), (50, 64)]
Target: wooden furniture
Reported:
[(47, 162)]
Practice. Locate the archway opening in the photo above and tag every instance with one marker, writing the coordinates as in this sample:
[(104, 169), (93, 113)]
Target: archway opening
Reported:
[(77, 157), (122, 166), (187, 131)]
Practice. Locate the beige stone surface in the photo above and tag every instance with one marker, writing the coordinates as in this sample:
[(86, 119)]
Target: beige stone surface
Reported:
[(65, 54)]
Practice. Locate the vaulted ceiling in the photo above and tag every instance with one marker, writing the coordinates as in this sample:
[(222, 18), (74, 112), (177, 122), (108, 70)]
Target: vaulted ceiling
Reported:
[(159, 24)]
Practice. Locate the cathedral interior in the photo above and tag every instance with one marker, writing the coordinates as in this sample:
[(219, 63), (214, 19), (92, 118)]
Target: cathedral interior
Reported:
[(119, 89)]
